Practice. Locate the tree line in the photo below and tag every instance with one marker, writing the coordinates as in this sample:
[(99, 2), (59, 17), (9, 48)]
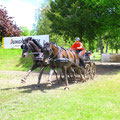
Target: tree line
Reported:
[(96, 22)]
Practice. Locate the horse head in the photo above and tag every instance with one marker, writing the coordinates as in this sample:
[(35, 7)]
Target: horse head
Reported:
[(50, 51), (25, 47), (46, 50)]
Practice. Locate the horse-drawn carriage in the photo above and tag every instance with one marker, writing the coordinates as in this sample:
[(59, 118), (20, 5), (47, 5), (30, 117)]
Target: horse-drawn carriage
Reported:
[(58, 57)]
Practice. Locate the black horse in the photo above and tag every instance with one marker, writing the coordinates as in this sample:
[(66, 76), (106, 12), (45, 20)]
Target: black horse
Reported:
[(28, 45)]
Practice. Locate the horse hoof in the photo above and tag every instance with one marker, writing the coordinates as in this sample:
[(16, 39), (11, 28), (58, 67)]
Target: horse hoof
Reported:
[(75, 82), (49, 84), (66, 88), (22, 81), (83, 79), (37, 85)]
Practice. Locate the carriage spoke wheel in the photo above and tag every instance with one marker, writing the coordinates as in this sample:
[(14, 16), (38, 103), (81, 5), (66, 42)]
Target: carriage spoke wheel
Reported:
[(87, 71), (93, 70)]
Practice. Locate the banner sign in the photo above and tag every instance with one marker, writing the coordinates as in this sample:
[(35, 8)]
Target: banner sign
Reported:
[(16, 42)]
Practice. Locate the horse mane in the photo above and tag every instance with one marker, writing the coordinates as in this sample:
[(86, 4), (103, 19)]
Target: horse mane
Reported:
[(27, 39), (54, 43), (34, 47), (38, 44)]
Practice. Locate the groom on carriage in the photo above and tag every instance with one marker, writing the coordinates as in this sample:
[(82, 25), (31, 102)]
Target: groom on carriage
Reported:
[(78, 47)]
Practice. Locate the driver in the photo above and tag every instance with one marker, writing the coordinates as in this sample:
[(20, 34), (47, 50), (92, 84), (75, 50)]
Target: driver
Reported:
[(78, 47)]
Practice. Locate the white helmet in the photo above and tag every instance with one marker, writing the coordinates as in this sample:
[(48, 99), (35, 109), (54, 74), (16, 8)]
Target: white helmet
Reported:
[(77, 39)]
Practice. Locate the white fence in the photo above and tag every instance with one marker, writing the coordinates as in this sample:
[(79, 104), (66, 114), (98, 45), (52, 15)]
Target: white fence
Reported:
[(15, 42)]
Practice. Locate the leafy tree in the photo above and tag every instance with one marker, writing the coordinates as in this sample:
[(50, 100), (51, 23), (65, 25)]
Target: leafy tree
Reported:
[(25, 31), (71, 18), (43, 23), (115, 39), (7, 27), (88, 19), (44, 27)]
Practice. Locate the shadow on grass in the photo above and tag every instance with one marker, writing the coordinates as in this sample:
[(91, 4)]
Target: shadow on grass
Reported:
[(100, 70), (42, 87)]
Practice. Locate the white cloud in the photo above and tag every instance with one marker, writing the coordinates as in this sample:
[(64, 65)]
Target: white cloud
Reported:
[(22, 11)]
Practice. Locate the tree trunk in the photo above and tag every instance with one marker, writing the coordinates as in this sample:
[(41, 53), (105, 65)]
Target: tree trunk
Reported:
[(112, 50), (107, 46), (101, 44), (116, 51)]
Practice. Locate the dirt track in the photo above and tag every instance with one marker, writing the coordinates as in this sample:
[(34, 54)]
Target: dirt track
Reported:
[(105, 68), (13, 78), (101, 69)]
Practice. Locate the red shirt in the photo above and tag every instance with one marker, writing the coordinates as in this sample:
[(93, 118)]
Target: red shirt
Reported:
[(77, 44)]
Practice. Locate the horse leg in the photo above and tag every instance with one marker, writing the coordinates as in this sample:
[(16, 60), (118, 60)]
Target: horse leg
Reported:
[(40, 75), (82, 76), (23, 80), (66, 78), (50, 76), (55, 71), (61, 73), (73, 72), (69, 74)]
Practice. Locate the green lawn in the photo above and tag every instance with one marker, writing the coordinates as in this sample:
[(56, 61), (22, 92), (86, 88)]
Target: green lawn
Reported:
[(93, 100), (11, 59)]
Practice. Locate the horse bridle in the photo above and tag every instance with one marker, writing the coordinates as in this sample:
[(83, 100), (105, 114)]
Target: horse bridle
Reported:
[(27, 45), (51, 57)]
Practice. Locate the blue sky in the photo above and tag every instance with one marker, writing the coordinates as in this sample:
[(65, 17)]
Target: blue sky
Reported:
[(23, 11)]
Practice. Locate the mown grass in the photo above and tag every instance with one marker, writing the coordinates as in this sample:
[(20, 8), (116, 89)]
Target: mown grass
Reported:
[(93, 100), (11, 59)]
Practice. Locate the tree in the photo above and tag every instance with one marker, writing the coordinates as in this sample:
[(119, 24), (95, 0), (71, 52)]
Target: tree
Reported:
[(43, 23), (25, 31), (72, 18), (88, 19), (43, 26), (7, 27)]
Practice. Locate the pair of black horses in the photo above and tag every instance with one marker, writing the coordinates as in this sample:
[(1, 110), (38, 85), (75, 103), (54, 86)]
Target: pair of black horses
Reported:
[(53, 56)]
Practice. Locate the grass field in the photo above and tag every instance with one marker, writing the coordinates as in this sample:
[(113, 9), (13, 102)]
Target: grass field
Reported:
[(93, 100), (98, 99), (11, 59)]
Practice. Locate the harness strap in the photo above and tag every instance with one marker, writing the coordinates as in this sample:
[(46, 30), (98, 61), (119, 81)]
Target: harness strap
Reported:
[(55, 54), (74, 56), (68, 56)]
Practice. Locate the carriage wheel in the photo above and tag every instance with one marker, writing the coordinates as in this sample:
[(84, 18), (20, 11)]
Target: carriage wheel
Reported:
[(93, 71), (87, 71)]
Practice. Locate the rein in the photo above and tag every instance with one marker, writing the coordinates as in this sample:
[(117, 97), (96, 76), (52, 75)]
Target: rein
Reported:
[(59, 49), (55, 54)]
